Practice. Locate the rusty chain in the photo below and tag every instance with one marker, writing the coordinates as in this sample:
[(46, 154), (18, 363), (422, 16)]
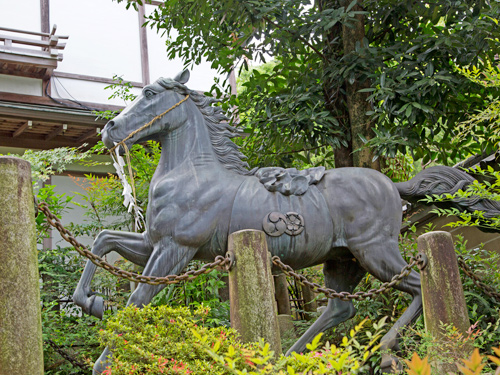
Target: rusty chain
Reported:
[(346, 296), (487, 289), (227, 261), (68, 357), (54, 221)]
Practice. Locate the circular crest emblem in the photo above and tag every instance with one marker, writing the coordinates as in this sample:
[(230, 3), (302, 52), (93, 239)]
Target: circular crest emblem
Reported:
[(276, 223)]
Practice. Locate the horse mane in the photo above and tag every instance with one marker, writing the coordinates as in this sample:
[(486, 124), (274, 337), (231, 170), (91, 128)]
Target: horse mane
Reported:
[(219, 129)]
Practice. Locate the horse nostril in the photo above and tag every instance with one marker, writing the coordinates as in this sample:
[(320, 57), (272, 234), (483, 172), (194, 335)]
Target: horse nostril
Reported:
[(110, 123)]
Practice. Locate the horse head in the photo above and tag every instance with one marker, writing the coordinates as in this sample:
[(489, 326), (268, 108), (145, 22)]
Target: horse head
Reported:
[(145, 118)]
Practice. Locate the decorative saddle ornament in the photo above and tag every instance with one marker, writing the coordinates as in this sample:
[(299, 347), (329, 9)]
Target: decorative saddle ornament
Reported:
[(289, 181)]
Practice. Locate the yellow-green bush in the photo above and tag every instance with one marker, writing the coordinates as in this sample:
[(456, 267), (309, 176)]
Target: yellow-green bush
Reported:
[(165, 340), (160, 340)]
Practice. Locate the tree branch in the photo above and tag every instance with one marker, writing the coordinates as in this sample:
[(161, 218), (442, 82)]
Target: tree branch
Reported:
[(323, 57), (297, 151)]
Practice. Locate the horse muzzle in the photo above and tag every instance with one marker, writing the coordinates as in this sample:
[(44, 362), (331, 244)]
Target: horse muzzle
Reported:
[(105, 136)]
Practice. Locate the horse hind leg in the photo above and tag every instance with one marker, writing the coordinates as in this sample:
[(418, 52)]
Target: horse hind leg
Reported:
[(340, 275), (131, 246), (384, 264)]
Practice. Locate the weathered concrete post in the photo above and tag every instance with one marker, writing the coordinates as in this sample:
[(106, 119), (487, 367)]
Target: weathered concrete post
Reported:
[(310, 305), (21, 349), (442, 292), (282, 296), (251, 289)]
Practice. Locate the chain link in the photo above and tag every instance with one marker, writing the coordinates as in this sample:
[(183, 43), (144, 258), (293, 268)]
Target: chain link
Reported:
[(487, 289), (54, 221), (346, 296), (68, 357), (227, 261)]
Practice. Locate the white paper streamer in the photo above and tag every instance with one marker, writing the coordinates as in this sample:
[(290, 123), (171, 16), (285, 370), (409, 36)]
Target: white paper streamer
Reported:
[(128, 198)]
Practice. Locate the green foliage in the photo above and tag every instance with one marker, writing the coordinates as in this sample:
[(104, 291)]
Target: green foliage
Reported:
[(488, 187), (408, 64), (485, 123), (482, 127), (120, 89), (102, 196), (47, 163), (287, 125), (163, 339), (202, 291), (483, 309), (418, 94), (62, 322)]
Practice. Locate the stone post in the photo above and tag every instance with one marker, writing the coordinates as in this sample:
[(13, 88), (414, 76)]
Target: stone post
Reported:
[(310, 304), (282, 296), (442, 292), (251, 289), (21, 350)]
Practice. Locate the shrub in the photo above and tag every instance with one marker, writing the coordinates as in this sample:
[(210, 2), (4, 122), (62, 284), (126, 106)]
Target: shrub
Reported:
[(163, 339), (170, 340)]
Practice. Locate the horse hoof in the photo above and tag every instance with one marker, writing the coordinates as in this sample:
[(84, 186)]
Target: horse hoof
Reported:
[(96, 306), (82, 300), (98, 368), (390, 364)]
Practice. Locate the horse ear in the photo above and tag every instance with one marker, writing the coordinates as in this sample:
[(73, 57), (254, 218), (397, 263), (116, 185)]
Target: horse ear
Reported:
[(182, 77)]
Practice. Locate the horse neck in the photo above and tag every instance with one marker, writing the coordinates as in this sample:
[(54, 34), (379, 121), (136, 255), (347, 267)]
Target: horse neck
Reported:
[(187, 145)]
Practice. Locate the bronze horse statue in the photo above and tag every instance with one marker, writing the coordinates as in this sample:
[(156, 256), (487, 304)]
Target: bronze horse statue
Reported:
[(348, 218)]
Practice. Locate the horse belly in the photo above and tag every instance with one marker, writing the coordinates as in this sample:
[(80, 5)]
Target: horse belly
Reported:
[(312, 246)]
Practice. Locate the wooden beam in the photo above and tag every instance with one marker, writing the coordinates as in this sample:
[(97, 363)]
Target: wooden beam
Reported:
[(143, 38), (16, 72), (83, 77), (32, 32), (89, 134), (44, 17), (39, 100), (20, 130), (33, 42), (31, 58), (54, 133), (36, 143), (45, 27)]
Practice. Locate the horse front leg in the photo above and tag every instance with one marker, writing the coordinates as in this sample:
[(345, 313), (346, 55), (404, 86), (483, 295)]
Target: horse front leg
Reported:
[(132, 246), (168, 258)]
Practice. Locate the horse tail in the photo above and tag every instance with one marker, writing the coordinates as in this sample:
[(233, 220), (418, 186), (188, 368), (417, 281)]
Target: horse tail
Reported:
[(441, 180)]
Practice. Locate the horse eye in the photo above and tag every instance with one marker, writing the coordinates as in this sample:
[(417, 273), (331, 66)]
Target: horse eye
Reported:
[(149, 93)]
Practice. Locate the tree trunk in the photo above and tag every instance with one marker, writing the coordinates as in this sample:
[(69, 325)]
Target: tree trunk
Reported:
[(357, 103)]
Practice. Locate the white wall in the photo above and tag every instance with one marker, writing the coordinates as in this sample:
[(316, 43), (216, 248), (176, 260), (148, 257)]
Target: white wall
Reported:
[(20, 85), (85, 91)]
